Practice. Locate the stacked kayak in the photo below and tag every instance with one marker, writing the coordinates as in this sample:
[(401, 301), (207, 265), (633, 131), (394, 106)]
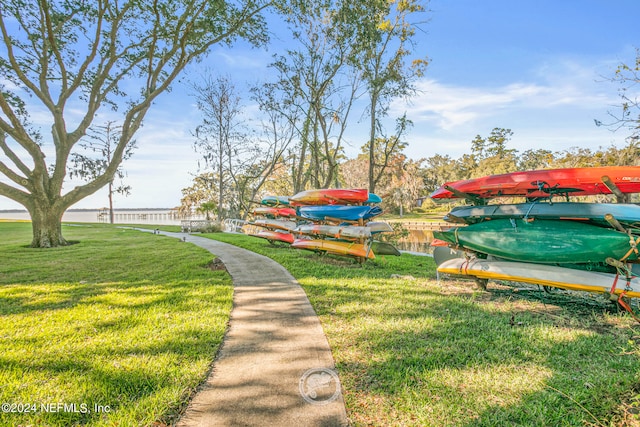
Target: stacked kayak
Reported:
[(274, 220), (330, 196), (275, 201), (275, 236), (592, 213), (542, 241), (542, 274), (334, 221), (338, 213), (337, 221), (274, 212), (618, 180), (348, 232), (335, 247), (580, 246)]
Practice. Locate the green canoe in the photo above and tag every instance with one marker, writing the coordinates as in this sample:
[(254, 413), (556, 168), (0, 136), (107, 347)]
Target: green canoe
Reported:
[(541, 241)]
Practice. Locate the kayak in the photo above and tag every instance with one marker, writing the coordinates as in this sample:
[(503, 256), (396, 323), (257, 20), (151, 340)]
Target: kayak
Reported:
[(541, 241), (274, 224), (545, 183), (384, 248), (275, 236), (330, 196), (339, 212), (335, 247), (373, 198), (379, 227), (539, 274), (274, 212), (275, 201), (627, 215), (349, 232)]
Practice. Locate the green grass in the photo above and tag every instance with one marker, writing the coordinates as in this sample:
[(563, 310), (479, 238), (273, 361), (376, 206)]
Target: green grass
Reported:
[(124, 320), (132, 321), (412, 351)]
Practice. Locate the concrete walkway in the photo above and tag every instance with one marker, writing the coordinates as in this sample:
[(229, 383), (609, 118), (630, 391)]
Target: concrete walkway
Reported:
[(275, 366)]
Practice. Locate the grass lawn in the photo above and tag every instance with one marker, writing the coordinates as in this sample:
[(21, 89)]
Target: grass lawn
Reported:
[(412, 351), (130, 321), (118, 329)]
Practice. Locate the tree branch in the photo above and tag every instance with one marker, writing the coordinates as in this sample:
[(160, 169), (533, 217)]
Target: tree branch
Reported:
[(16, 130), (16, 65), (15, 159), (14, 194)]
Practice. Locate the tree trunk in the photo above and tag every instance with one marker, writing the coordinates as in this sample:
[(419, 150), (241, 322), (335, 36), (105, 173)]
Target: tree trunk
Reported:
[(372, 143), (47, 226), (111, 219)]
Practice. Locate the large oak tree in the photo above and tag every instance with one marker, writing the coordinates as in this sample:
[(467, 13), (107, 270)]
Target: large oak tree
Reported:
[(66, 60)]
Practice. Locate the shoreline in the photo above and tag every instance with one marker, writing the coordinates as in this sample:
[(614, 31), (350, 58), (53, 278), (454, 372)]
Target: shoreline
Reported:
[(157, 216), (92, 210)]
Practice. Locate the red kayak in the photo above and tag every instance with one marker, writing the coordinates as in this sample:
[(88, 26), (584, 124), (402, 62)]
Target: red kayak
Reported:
[(274, 236), (330, 196), (546, 183), (274, 212)]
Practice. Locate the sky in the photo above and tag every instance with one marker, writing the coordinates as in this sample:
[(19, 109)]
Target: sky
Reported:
[(539, 68)]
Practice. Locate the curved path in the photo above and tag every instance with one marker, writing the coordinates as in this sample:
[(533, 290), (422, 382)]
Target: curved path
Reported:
[(261, 376)]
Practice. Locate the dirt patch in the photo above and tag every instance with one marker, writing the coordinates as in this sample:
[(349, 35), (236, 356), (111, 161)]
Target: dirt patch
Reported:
[(216, 265), (558, 304), (628, 413)]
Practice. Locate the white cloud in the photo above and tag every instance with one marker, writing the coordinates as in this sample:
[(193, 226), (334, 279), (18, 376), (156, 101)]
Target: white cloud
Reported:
[(555, 109), (449, 106), (239, 60)]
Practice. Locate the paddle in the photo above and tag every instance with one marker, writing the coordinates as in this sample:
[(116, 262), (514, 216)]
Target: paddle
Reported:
[(620, 196), (462, 195), (614, 223)]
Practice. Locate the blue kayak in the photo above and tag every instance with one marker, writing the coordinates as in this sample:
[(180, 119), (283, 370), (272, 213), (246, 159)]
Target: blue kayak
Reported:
[(374, 212), (628, 215), (341, 212), (373, 198)]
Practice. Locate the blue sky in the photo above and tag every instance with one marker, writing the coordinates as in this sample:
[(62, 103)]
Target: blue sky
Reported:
[(537, 67)]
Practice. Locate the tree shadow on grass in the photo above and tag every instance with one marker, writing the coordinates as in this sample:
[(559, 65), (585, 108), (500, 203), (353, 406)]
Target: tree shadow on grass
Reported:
[(417, 356)]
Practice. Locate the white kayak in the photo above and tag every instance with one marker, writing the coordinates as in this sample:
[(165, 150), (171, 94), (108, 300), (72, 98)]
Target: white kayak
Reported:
[(541, 274), (274, 224), (346, 232), (379, 227)]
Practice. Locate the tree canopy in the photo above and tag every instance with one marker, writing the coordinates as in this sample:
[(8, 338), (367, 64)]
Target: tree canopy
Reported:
[(68, 60)]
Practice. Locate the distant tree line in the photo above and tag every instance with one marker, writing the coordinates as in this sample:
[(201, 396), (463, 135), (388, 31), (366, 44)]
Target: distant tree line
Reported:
[(491, 155), (406, 180)]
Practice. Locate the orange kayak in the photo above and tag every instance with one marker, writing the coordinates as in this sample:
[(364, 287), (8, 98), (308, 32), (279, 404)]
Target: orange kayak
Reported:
[(335, 247), (545, 183), (330, 196)]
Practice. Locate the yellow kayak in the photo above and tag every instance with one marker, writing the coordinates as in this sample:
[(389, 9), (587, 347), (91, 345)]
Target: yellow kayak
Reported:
[(335, 247)]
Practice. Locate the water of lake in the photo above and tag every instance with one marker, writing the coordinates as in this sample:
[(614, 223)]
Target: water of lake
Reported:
[(121, 216)]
